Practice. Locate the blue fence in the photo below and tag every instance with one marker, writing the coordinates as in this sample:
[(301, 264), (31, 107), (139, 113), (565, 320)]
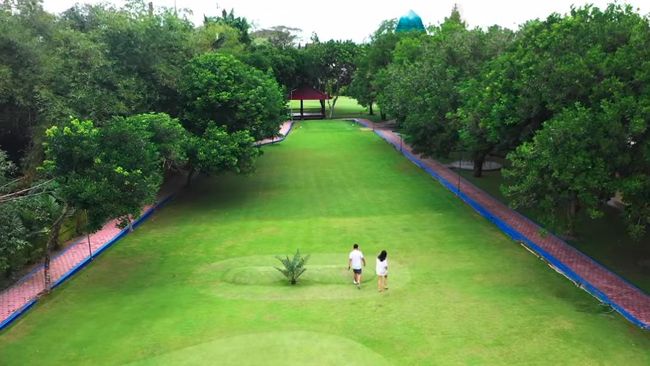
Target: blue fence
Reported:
[(18, 313), (521, 238)]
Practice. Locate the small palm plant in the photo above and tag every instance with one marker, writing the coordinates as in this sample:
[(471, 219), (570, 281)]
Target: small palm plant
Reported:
[(293, 268)]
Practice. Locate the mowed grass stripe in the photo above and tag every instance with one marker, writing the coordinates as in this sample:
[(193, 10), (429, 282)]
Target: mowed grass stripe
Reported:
[(468, 294)]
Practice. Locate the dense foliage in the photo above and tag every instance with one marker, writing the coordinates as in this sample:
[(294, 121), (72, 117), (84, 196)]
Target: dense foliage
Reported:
[(102, 102), (563, 100), (220, 89), (99, 104)]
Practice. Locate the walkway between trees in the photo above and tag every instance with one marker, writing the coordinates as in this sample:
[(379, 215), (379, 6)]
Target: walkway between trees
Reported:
[(609, 288), (18, 298)]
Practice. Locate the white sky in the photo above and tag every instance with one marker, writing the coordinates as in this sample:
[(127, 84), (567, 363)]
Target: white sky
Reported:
[(356, 19)]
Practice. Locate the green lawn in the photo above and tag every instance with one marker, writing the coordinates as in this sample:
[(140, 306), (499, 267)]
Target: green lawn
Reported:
[(195, 285), (604, 239), (345, 107)]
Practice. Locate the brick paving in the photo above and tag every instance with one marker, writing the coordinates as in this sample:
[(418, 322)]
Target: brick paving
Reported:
[(629, 298), (23, 292), (284, 131), (30, 286)]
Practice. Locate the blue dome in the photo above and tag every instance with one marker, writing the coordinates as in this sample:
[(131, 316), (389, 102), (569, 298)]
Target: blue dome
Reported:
[(410, 22)]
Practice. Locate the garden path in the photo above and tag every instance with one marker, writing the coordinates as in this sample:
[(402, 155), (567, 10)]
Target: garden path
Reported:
[(631, 301), (18, 298)]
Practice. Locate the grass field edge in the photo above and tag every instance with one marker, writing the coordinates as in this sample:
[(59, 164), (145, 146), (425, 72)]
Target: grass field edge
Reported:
[(515, 235), (79, 266)]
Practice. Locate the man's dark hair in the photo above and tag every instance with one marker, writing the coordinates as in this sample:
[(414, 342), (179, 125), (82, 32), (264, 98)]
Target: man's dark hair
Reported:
[(355, 246)]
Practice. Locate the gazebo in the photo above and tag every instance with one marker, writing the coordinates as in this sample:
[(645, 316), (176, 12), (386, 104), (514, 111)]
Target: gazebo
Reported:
[(308, 93)]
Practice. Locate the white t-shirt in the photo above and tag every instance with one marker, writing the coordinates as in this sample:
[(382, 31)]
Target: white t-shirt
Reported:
[(356, 256), (382, 267)]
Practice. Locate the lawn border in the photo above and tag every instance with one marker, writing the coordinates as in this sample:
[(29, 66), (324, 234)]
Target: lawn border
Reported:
[(124, 232), (522, 239)]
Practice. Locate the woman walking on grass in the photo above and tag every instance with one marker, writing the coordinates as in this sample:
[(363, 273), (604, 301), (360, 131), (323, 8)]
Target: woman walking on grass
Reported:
[(382, 271)]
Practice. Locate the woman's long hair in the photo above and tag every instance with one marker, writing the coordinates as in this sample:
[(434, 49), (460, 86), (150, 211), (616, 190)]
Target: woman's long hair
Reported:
[(382, 256)]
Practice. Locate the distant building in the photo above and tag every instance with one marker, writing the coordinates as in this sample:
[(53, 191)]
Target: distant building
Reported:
[(410, 22)]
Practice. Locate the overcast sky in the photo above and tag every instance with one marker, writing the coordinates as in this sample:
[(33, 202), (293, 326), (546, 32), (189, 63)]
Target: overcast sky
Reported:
[(356, 19)]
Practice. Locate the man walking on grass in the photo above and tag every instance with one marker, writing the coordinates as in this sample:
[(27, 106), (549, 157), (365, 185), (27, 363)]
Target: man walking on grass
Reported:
[(355, 261)]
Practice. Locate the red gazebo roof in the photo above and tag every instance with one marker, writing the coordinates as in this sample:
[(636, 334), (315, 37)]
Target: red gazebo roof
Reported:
[(307, 93)]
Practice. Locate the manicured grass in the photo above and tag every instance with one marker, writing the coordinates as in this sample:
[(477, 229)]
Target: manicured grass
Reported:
[(345, 107), (605, 239), (196, 285)]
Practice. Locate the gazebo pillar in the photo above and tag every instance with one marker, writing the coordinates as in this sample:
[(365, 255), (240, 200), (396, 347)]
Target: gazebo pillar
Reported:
[(301, 110)]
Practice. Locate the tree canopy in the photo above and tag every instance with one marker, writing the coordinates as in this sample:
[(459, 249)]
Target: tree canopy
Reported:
[(222, 90)]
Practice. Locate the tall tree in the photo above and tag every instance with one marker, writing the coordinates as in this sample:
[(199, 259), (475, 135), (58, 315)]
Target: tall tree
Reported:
[(279, 36), (222, 90), (423, 83), (109, 173), (217, 151), (229, 19), (333, 63), (592, 58)]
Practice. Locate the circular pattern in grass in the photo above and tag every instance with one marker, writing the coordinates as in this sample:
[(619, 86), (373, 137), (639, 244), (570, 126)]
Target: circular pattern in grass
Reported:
[(327, 277), (272, 348)]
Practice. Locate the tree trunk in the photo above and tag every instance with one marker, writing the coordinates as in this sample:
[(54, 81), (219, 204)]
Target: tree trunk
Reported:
[(383, 116), (370, 111), (572, 211), (52, 241), (479, 159), (332, 106), (189, 177)]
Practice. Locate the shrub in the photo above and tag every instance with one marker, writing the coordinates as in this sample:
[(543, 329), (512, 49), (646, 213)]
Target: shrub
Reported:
[(293, 268)]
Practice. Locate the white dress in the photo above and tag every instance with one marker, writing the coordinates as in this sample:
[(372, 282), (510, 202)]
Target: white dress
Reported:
[(382, 267)]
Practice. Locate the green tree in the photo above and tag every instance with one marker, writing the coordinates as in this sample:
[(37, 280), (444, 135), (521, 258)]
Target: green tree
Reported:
[(13, 234), (12, 238), (283, 63), (590, 58), (278, 36), (241, 24), (424, 80), (219, 37), (165, 133), (222, 90), (130, 168), (333, 63), (217, 151), (25, 30), (108, 173), (566, 167), (146, 51)]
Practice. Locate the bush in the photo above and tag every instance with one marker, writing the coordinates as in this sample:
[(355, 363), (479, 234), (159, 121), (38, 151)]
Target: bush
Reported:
[(293, 268)]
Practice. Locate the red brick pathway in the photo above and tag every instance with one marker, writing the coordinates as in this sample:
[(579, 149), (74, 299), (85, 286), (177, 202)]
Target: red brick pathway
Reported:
[(25, 291), (627, 299), (284, 131), (28, 288)]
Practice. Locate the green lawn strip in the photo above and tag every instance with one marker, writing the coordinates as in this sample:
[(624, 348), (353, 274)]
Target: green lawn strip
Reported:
[(605, 239), (463, 293), (345, 107)]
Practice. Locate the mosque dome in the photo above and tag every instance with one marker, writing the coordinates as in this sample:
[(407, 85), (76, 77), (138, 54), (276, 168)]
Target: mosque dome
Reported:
[(410, 22)]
